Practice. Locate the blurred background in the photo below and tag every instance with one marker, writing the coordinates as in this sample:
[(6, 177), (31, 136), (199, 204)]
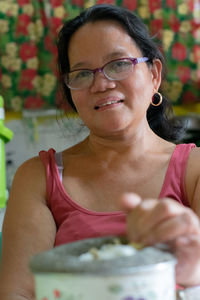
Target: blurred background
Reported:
[(28, 73)]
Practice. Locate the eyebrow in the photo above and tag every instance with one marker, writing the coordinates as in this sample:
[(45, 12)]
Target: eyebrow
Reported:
[(112, 55)]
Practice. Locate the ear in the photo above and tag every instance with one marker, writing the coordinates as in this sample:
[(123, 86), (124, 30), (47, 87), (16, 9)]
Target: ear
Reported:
[(156, 71)]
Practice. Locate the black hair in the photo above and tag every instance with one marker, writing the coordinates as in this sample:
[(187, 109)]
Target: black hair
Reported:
[(159, 117)]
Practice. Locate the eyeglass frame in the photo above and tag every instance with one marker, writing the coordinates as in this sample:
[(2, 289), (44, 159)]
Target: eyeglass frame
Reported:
[(134, 60)]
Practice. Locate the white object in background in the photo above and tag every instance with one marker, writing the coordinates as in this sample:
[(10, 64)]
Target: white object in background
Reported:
[(196, 11), (2, 113), (2, 213), (192, 293)]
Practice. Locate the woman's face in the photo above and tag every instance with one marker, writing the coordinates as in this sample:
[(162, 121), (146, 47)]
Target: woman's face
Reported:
[(94, 45)]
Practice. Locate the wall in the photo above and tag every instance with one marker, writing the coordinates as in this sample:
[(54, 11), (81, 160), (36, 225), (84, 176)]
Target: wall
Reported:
[(33, 133)]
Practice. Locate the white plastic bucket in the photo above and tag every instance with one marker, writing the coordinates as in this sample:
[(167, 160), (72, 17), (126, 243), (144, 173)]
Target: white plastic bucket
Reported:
[(59, 274)]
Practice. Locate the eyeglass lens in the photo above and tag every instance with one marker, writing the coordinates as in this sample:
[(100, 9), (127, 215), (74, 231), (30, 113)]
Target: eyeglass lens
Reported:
[(114, 70)]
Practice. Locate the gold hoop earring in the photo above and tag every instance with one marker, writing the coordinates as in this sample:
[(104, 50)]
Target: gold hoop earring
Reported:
[(156, 99)]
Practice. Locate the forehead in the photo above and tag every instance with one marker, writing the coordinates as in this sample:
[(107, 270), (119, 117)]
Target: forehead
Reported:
[(101, 39)]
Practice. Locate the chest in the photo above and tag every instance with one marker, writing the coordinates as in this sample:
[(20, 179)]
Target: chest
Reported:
[(99, 188)]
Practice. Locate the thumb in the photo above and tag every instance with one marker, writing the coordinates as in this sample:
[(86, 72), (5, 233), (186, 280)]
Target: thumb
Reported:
[(129, 201)]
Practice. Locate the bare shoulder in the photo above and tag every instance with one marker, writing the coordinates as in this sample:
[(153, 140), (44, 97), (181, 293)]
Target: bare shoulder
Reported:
[(31, 167), (193, 167), (29, 178), (27, 196), (193, 179)]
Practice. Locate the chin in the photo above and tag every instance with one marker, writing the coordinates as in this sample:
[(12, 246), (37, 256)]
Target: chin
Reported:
[(111, 131)]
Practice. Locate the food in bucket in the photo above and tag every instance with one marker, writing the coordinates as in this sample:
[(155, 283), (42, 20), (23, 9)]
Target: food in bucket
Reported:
[(109, 251)]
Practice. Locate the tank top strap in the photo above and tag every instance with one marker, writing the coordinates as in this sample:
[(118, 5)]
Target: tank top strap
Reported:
[(174, 182), (59, 162), (52, 172)]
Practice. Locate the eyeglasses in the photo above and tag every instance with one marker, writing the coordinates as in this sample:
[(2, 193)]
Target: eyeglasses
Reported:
[(117, 69)]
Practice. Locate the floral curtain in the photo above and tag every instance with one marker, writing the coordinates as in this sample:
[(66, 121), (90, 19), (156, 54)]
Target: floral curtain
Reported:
[(28, 30)]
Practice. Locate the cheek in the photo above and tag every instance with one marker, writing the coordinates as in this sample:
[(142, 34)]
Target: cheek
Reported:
[(139, 90), (143, 77), (80, 101), (142, 84), (76, 97)]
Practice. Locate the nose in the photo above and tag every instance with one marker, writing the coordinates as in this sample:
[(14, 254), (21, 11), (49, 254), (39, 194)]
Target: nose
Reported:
[(101, 83)]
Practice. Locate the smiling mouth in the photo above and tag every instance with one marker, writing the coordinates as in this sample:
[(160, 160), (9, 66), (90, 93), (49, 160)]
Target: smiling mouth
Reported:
[(108, 103)]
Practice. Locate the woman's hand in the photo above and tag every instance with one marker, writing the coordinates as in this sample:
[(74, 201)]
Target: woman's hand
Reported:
[(151, 221)]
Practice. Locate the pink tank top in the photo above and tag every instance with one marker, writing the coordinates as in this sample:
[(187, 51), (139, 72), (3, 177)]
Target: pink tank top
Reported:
[(75, 222)]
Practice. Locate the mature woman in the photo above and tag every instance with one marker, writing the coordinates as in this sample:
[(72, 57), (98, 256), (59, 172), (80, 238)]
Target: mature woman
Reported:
[(126, 177)]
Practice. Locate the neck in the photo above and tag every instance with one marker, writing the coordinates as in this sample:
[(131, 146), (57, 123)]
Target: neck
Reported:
[(135, 143)]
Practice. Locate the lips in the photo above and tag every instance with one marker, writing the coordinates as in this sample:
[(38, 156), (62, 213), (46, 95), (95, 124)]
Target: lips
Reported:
[(107, 102)]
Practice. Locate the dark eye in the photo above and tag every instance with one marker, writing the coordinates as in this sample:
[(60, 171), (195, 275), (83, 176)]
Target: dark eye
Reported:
[(119, 65), (82, 74)]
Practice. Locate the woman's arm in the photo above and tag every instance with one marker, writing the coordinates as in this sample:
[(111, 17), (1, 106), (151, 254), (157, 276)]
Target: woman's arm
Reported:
[(28, 228), (152, 221)]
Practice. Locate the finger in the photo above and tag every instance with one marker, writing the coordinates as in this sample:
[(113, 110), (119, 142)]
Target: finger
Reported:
[(129, 201), (159, 212), (139, 219), (187, 251), (148, 215), (193, 240), (170, 229)]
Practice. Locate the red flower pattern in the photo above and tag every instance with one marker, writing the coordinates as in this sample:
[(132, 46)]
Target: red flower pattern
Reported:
[(26, 79), (23, 2), (156, 27), (154, 5), (55, 25), (22, 24), (195, 25), (27, 51), (189, 98), (174, 23), (43, 17), (56, 3), (191, 5), (183, 73), (179, 51), (130, 4), (171, 3), (49, 44), (196, 53), (106, 1), (78, 2), (34, 103)]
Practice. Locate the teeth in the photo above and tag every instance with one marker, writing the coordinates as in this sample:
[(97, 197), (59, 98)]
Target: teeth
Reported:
[(108, 103)]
